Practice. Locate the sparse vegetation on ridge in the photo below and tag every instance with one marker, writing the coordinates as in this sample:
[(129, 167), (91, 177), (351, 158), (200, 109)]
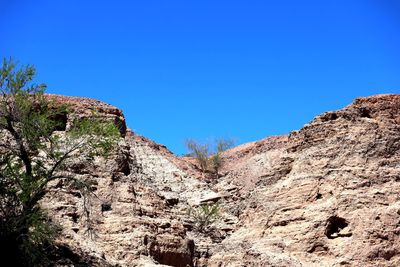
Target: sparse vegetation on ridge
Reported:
[(209, 160)]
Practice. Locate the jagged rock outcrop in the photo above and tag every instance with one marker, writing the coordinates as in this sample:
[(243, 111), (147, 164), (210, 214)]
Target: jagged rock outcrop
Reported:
[(141, 197), (326, 195), (80, 107)]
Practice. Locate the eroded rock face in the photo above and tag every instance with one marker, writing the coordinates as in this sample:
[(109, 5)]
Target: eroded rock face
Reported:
[(335, 201), (79, 107), (326, 195), (137, 215), (171, 250)]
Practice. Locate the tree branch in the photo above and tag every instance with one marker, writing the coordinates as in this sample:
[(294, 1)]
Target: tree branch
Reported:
[(23, 153)]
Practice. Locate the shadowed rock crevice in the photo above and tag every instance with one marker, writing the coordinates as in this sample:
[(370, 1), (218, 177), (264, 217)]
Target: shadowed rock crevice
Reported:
[(318, 248), (62, 255), (334, 226), (61, 119), (172, 251)]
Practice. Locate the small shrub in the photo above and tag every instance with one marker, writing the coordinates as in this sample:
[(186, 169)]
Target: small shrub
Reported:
[(209, 159), (204, 215), (200, 152), (216, 160)]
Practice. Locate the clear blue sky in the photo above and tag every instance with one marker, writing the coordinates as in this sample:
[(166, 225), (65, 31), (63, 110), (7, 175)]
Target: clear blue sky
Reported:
[(203, 69)]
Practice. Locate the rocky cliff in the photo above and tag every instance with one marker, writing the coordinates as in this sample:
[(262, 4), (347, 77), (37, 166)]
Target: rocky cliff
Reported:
[(326, 195)]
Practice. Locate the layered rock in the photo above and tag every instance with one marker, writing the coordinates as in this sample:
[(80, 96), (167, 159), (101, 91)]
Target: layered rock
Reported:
[(141, 196), (326, 195), (80, 107)]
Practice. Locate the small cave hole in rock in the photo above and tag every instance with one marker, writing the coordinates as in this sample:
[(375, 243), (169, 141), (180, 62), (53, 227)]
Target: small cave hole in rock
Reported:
[(329, 116), (334, 225), (333, 116), (123, 164), (60, 121), (172, 201), (364, 113), (74, 216), (318, 196), (387, 255), (126, 170), (106, 207)]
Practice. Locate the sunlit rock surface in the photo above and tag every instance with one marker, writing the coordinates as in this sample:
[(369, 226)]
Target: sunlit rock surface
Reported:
[(326, 195)]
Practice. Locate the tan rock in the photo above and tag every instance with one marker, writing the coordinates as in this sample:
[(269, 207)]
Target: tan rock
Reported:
[(326, 195)]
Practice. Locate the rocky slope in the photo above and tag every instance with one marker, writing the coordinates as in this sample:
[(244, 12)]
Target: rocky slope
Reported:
[(326, 195)]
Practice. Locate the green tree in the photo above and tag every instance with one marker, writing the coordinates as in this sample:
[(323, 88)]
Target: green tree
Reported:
[(32, 154)]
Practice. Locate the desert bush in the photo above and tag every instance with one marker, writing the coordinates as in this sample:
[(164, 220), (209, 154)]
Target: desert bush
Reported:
[(199, 151), (216, 160), (204, 215), (209, 156)]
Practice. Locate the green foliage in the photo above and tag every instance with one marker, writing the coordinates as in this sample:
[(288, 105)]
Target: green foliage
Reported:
[(209, 159), (91, 129), (204, 215), (216, 160), (32, 154), (39, 238), (200, 152)]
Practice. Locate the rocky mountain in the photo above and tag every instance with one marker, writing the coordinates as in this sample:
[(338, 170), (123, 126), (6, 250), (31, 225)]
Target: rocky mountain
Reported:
[(326, 195)]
